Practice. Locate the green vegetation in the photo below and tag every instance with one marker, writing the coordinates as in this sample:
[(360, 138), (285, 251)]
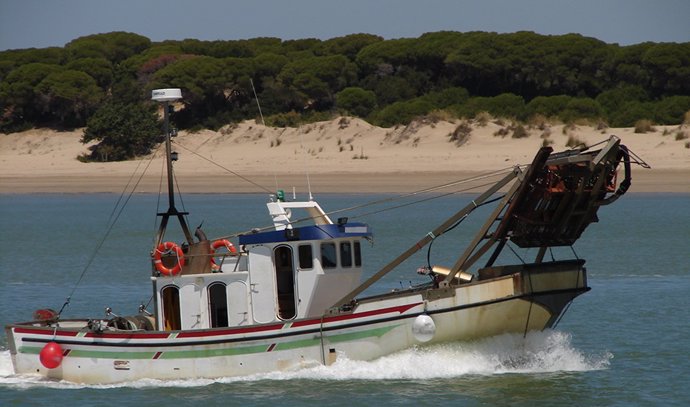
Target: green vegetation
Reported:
[(122, 131), (387, 82)]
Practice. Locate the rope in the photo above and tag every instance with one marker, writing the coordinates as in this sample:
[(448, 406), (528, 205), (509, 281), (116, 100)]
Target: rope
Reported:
[(516, 255), (158, 203), (381, 201), (111, 223), (433, 238), (431, 189), (224, 168), (531, 302)]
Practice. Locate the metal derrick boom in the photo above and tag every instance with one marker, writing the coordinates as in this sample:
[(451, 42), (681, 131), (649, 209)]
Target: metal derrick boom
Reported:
[(549, 204)]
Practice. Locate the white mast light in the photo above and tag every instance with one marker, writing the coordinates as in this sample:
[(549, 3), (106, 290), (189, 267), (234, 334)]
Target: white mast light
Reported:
[(166, 95)]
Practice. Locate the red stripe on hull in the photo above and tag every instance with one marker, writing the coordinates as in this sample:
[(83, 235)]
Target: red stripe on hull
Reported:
[(399, 309), (234, 331)]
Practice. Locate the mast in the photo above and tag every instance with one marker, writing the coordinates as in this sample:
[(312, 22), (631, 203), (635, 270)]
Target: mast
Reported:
[(165, 96)]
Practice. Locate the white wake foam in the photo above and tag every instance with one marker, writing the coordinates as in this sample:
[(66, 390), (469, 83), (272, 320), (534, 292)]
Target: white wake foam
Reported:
[(539, 352)]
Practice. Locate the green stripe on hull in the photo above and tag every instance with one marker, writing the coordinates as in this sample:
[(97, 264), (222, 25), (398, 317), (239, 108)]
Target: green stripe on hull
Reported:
[(207, 353), (378, 332)]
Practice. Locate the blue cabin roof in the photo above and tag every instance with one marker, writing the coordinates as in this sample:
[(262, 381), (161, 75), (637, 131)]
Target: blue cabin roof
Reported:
[(313, 232)]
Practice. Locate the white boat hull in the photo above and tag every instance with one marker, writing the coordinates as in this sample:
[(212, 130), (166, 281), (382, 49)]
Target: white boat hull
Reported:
[(377, 326)]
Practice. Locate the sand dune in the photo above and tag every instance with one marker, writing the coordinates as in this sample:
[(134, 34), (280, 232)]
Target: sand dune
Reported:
[(342, 155)]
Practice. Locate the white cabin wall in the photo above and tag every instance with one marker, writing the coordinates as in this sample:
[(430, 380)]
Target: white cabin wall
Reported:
[(194, 299)]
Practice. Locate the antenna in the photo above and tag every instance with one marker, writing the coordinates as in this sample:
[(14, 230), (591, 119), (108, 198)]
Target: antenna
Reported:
[(257, 102), (275, 176), (306, 167)]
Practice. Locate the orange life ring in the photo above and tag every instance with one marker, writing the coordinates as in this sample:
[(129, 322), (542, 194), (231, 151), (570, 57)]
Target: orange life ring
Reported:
[(163, 248), (221, 243)]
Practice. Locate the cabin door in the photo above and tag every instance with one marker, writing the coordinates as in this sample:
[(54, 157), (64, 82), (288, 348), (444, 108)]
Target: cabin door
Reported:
[(237, 303), (190, 306), (262, 284), (285, 281)]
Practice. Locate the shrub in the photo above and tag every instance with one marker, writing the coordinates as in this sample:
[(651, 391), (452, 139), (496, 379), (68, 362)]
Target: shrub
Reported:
[(538, 121), (574, 142), (504, 105), (402, 112), (681, 136), (520, 132), (548, 106), (671, 110), (502, 132), (461, 134), (483, 118), (356, 101), (289, 119), (447, 97), (122, 131), (581, 108), (631, 113), (613, 100), (644, 126)]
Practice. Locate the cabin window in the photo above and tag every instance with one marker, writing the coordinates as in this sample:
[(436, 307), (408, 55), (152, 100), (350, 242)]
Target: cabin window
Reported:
[(358, 255), (306, 256), (218, 305), (285, 282), (171, 308), (328, 256), (346, 254)]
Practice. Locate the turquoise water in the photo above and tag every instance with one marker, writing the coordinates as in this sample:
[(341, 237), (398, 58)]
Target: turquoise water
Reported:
[(626, 342)]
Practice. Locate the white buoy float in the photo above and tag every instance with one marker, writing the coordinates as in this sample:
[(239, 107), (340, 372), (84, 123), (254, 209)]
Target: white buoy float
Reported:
[(423, 328)]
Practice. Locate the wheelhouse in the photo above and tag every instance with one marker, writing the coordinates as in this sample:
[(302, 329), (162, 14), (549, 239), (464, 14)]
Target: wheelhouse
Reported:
[(281, 274)]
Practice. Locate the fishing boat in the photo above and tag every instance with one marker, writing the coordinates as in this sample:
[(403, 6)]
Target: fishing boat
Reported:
[(290, 295)]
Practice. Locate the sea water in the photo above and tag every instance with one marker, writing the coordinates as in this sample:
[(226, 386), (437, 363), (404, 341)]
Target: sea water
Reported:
[(626, 342)]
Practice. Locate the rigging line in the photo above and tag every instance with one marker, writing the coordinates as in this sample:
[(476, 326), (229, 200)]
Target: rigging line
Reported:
[(421, 200), (263, 122), (179, 194), (158, 203), (558, 320), (514, 252), (254, 230), (428, 252), (129, 181), (426, 190), (224, 168), (639, 161), (257, 102), (101, 242)]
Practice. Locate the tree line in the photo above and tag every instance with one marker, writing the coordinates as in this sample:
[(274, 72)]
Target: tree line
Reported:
[(386, 82)]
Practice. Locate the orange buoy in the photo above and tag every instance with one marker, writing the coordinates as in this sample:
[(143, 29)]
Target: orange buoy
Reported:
[(221, 243), (51, 355), (167, 247)]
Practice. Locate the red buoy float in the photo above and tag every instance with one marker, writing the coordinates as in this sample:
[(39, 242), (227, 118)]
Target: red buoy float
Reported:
[(51, 355), (218, 244), (167, 247)]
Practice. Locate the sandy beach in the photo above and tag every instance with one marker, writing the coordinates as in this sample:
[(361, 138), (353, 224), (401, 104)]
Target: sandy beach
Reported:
[(341, 155)]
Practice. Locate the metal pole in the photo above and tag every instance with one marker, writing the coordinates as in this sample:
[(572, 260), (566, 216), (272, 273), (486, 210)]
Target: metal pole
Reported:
[(168, 154)]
